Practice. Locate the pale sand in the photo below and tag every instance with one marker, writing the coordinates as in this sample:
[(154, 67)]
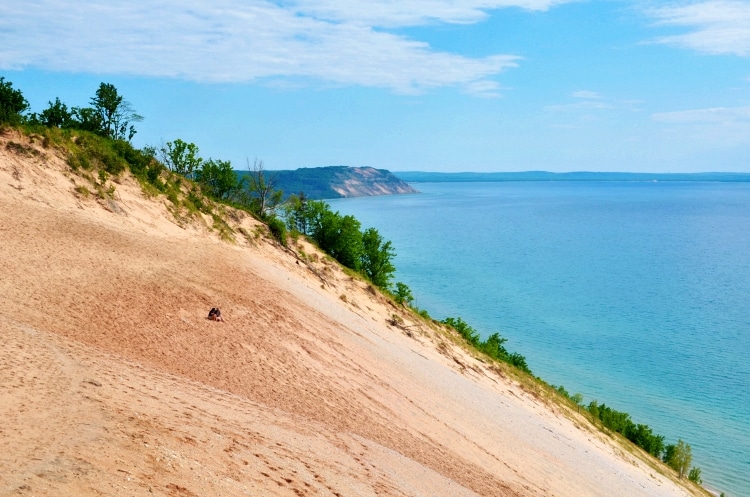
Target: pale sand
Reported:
[(113, 382)]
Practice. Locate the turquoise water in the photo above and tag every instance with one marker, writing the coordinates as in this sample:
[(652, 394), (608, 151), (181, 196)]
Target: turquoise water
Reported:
[(634, 294)]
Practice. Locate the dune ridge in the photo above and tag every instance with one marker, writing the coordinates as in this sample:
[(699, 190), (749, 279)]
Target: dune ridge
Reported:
[(113, 382)]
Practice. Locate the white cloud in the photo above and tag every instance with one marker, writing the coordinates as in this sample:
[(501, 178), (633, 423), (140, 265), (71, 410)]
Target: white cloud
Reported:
[(389, 13), (725, 116), (715, 27), (585, 100), (586, 94), (340, 42), (720, 127)]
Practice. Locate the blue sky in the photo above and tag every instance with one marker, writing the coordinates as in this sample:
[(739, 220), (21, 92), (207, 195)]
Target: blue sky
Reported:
[(431, 85)]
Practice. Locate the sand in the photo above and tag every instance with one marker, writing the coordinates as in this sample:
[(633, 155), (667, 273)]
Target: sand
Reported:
[(113, 382)]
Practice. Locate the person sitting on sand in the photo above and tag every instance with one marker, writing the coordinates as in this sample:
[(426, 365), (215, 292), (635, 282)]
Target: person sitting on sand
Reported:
[(215, 314)]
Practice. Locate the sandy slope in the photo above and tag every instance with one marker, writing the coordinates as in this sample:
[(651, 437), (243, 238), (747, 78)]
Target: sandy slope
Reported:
[(112, 382)]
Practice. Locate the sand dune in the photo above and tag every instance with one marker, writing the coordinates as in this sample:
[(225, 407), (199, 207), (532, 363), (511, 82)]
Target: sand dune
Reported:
[(113, 382)]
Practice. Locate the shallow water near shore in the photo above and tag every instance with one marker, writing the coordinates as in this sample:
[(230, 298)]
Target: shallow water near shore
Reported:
[(632, 293)]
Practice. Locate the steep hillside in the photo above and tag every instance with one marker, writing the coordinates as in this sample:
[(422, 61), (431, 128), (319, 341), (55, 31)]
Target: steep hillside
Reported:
[(113, 382), (339, 182)]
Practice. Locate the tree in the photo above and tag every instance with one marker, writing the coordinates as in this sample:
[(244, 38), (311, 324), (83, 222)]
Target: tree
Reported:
[(403, 294), (695, 475), (594, 410), (181, 157), (114, 113), (494, 348), (341, 237), (264, 198), (470, 334), (12, 103), (679, 457), (578, 399), (519, 361), (296, 213), (219, 179), (309, 217), (87, 119), (376, 258), (56, 115)]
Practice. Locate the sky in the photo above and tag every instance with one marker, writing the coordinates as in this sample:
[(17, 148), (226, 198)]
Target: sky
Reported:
[(406, 85)]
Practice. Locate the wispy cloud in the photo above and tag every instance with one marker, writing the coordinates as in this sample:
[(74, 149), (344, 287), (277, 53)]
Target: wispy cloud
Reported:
[(583, 100), (586, 94), (389, 13), (338, 42), (713, 127), (714, 27), (726, 116)]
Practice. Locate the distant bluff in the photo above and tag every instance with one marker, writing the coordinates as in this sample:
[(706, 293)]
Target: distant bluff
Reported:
[(339, 182)]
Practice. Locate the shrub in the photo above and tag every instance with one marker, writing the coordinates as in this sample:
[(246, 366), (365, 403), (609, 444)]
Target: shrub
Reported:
[(403, 294), (278, 229), (695, 475), (519, 361), (12, 103)]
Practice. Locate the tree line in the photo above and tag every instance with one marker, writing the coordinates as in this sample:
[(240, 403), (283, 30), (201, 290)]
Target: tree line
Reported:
[(110, 116), (108, 113)]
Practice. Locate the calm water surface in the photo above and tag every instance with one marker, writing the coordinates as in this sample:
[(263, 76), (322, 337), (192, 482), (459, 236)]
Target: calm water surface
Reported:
[(634, 294)]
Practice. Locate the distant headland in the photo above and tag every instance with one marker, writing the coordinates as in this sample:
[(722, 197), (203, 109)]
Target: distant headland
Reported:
[(339, 182)]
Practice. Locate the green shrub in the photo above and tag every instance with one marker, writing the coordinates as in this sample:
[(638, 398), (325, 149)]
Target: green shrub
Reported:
[(83, 191), (278, 229), (403, 294), (196, 201), (695, 475)]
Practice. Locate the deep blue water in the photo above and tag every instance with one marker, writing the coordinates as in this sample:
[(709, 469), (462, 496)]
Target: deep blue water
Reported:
[(635, 294)]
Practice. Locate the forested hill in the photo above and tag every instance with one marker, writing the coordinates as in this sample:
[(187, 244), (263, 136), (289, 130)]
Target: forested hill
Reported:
[(338, 182), (429, 177)]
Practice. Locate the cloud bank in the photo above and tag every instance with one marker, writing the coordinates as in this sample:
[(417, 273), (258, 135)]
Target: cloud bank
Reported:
[(337, 42)]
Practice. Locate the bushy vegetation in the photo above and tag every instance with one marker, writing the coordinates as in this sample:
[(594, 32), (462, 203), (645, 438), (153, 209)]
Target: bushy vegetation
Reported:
[(492, 346), (12, 103), (620, 422), (342, 238)]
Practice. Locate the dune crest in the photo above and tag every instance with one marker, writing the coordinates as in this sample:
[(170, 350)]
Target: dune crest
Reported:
[(113, 382)]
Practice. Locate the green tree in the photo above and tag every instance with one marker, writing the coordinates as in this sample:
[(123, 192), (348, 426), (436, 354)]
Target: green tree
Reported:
[(494, 348), (295, 213), (310, 216), (679, 457), (86, 119), (519, 361), (578, 399), (114, 113), (263, 197), (594, 410), (470, 334), (341, 237), (695, 475), (278, 229), (376, 258), (12, 103), (643, 436), (181, 157), (56, 115), (219, 179), (403, 294)]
